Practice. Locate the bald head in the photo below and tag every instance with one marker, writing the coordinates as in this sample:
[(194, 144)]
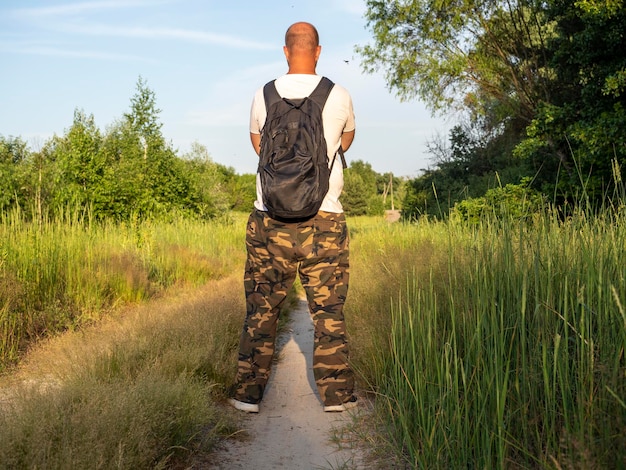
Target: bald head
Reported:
[(302, 37), (302, 48)]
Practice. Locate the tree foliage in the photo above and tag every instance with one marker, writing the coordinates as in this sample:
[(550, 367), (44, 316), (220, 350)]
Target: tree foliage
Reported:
[(467, 167), (355, 193), (484, 56), (127, 172), (580, 131), (13, 154), (517, 201), (541, 81), (365, 191)]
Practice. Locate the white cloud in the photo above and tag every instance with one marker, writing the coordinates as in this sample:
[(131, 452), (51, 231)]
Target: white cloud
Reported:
[(68, 19), (59, 51), (204, 37), (71, 9)]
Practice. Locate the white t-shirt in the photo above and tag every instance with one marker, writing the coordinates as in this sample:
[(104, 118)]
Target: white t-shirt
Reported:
[(338, 117)]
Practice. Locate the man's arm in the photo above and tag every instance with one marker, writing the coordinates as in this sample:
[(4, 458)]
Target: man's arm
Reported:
[(346, 140), (256, 142)]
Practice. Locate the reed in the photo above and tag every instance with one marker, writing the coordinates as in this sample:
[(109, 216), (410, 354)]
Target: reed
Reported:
[(496, 345)]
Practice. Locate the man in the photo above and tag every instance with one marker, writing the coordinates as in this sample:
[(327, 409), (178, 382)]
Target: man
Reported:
[(316, 249)]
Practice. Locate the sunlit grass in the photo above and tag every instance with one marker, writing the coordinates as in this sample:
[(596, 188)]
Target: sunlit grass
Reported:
[(64, 272), (495, 345), (144, 385), (138, 390)]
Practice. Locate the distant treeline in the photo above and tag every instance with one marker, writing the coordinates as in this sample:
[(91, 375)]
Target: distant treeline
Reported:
[(127, 171), (131, 172)]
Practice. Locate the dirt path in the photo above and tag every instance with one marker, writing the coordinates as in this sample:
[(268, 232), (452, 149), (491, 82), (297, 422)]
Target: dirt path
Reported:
[(291, 430)]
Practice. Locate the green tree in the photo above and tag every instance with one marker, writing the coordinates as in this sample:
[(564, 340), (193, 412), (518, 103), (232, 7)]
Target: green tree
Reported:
[(241, 191), (579, 133), (355, 194), (370, 187), (127, 172), (483, 56), (546, 76), (144, 177), (149, 159), (121, 188), (467, 167), (485, 59), (143, 118), (78, 163), (368, 175), (208, 183), (14, 155)]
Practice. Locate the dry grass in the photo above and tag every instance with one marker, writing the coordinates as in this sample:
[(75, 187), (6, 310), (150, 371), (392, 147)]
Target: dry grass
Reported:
[(138, 390)]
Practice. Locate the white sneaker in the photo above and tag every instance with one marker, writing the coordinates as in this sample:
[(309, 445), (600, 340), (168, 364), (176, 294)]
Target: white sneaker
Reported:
[(243, 406), (351, 403)]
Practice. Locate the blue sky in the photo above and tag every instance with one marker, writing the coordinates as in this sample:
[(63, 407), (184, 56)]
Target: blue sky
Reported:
[(203, 59)]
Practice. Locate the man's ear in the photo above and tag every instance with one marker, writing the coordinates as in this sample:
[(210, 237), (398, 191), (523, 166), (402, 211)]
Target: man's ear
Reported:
[(286, 52)]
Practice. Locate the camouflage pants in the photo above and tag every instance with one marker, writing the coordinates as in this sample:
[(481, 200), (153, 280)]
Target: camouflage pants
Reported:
[(317, 250)]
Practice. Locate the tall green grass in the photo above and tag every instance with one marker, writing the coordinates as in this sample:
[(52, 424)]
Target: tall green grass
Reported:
[(63, 272), (499, 345)]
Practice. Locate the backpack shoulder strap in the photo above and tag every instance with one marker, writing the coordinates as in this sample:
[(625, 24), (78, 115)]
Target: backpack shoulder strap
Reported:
[(321, 92), (270, 94), (343, 158), (320, 95)]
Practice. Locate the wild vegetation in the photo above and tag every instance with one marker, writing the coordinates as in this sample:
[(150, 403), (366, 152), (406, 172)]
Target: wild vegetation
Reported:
[(129, 172), (498, 343), (139, 389), (495, 345), (151, 313), (538, 88), (65, 272)]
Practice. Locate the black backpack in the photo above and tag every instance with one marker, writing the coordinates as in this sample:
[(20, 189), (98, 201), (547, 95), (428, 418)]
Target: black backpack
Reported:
[(293, 161)]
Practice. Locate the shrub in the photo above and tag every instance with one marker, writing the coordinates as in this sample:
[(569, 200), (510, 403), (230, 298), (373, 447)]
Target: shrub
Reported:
[(513, 200)]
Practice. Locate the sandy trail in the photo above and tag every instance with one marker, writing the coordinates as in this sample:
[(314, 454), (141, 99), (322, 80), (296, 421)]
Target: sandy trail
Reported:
[(291, 430)]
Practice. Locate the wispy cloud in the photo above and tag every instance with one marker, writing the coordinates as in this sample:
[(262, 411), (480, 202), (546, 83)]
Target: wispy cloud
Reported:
[(71, 18), (72, 9), (59, 51), (189, 35)]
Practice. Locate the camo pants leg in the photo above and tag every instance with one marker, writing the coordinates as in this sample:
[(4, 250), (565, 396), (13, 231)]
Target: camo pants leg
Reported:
[(269, 274), (318, 249), (324, 274)]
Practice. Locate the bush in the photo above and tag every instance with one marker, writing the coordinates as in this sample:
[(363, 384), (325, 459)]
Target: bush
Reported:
[(513, 200)]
